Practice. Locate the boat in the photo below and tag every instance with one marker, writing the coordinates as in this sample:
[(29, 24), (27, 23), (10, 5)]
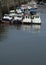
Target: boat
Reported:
[(26, 19), (6, 18), (36, 19), (33, 11), (18, 10), (33, 4), (17, 19), (29, 7), (36, 27), (23, 8), (12, 13)]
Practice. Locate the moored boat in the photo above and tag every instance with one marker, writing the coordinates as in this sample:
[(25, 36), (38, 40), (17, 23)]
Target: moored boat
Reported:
[(33, 11), (26, 19), (17, 19), (36, 19), (6, 18), (18, 10), (12, 13)]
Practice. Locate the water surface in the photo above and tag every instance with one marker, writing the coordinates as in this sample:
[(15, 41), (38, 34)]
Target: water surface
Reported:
[(23, 44)]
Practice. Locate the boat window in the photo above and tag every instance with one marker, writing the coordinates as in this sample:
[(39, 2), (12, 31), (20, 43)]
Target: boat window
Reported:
[(12, 12), (26, 16), (5, 15), (24, 9), (10, 16), (18, 16)]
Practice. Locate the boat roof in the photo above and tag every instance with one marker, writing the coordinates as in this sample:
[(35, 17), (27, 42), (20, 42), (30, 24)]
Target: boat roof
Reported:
[(18, 15), (12, 10), (32, 9), (37, 15), (5, 14)]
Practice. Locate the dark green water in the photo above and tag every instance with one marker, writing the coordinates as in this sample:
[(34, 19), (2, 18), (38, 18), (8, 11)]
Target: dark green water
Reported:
[(23, 44)]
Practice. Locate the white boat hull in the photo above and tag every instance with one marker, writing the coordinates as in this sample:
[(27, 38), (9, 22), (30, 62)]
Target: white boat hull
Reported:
[(26, 21), (36, 21)]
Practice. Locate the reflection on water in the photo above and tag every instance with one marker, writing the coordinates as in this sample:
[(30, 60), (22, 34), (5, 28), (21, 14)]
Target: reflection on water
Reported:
[(17, 26), (3, 31), (36, 27), (28, 27), (3, 28)]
